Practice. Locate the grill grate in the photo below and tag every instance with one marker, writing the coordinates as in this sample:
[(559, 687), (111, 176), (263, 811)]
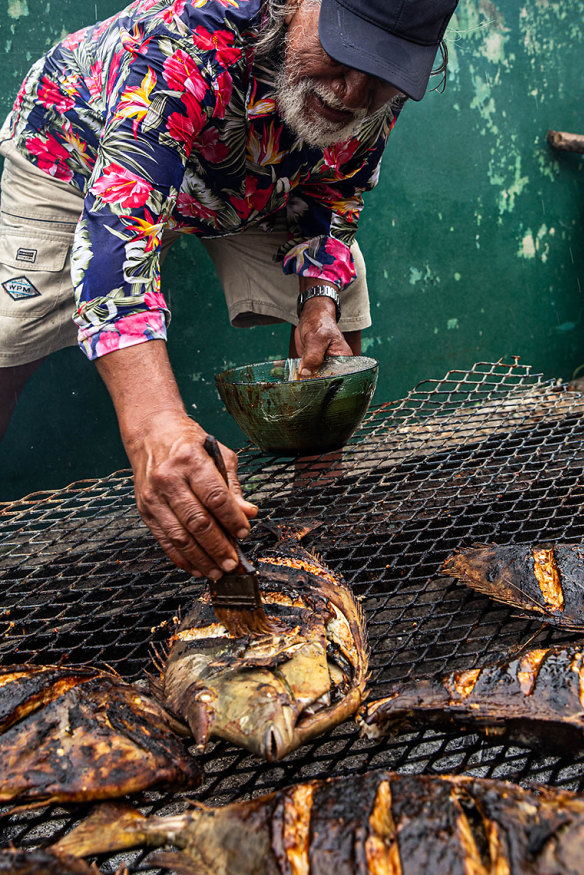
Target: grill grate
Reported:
[(494, 454)]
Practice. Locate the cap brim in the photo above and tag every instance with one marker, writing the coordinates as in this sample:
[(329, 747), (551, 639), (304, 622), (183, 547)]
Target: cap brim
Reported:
[(356, 43)]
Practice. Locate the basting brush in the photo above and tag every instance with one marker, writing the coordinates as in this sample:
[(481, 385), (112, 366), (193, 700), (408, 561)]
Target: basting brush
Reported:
[(236, 595)]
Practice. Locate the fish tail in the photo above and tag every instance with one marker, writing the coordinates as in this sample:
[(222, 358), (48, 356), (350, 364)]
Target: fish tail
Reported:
[(111, 827)]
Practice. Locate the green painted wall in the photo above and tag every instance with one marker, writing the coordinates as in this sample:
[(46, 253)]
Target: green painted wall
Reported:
[(473, 238)]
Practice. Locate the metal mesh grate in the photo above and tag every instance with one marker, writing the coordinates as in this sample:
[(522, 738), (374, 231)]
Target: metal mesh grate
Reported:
[(490, 455)]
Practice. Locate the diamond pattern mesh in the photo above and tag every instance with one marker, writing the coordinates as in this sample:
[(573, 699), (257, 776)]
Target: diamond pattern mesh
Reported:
[(488, 455)]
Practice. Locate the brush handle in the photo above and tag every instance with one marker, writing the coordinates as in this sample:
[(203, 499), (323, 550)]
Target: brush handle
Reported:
[(211, 446)]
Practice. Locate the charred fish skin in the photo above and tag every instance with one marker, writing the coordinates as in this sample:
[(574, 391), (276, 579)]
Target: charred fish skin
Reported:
[(79, 734), (546, 579), (536, 699), (274, 693), (379, 823), (37, 861)]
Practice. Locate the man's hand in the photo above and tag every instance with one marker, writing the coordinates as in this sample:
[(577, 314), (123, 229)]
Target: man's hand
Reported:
[(179, 492), (317, 335)]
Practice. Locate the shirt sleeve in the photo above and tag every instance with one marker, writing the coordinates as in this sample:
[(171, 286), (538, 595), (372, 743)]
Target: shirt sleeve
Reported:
[(323, 215), (161, 101)]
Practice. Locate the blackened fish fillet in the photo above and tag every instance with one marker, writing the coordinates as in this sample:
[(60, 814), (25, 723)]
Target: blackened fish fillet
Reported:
[(546, 580), (76, 734), (37, 861), (536, 699), (380, 823), (273, 693)]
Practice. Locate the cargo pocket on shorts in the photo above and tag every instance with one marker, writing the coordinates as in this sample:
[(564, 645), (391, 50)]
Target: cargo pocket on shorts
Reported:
[(33, 278)]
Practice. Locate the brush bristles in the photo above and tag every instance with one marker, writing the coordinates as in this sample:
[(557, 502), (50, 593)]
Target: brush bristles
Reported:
[(241, 622)]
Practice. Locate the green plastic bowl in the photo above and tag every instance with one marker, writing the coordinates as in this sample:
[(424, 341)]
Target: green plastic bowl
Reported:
[(289, 416)]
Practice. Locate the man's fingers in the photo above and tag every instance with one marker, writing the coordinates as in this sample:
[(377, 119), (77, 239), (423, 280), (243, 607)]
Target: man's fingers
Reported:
[(198, 527), (186, 517), (184, 500), (315, 350), (179, 545)]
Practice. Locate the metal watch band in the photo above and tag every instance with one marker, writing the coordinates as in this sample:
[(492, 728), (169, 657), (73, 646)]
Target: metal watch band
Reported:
[(319, 292)]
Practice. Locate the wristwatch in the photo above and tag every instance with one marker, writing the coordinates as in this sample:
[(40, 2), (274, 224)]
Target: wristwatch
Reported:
[(319, 292)]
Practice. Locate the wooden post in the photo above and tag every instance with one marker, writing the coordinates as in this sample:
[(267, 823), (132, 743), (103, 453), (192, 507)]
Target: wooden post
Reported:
[(566, 142)]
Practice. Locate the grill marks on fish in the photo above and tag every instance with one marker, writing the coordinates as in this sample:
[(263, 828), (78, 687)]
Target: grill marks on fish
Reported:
[(273, 693), (314, 567), (547, 575), (545, 580), (379, 823), (537, 699), (76, 734)]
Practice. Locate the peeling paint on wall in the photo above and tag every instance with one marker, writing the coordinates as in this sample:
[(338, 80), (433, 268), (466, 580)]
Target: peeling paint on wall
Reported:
[(17, 8), (532, 246), (426, 275)]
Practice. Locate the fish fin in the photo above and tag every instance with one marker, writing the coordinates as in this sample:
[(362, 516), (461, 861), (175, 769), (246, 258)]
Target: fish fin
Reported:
[(286, 532), (362, 625), (180, 863), (155, 686), (200, 718), (110, 827), (159, 656)]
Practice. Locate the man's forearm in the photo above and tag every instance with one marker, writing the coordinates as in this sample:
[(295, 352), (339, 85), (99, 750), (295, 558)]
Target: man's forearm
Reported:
[(179, 492), (141, 384)]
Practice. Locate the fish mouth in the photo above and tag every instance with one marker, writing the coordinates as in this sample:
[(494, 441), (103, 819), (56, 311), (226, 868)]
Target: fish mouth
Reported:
[(274, 745), (279, 737)]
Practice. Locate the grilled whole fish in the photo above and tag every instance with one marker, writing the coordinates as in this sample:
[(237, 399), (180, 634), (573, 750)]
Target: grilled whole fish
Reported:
[(546, 580), (273, 693), (37, 861), (379, 823), (536, 699), (75, 734)]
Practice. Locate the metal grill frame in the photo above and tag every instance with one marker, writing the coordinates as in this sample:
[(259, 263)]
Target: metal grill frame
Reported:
[(494, 454)]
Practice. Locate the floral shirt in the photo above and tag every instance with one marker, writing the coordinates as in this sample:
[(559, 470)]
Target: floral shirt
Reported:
[(162, 117)]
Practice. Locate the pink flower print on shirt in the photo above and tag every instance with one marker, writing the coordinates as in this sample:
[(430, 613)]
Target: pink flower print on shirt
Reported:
[(155, 300), (339, 154), (187, 206), (118, 186), (74, 39), (344, 267), (210, 147), (182, 74), (176, 9), (221, 41), (112, 75), (51, 156), (225, 3), (94, 82), (134, 42), (254, 199), (223, 86), (50, 95), (20, 96), (184, 128)]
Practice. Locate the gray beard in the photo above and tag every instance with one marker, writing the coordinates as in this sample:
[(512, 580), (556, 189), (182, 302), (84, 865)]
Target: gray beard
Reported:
[(313, 129)]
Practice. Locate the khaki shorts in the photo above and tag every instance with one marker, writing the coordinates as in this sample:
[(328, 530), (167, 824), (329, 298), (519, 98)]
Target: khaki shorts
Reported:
[(38, 215)]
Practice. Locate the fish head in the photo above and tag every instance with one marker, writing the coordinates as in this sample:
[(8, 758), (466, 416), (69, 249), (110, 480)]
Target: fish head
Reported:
[(258, 713)]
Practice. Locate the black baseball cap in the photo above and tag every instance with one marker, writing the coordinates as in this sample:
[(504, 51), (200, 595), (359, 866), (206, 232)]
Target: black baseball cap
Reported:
[(395, 40)]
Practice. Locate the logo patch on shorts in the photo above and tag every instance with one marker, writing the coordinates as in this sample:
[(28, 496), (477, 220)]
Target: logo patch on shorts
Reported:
[(26, 255), (20, 287)]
